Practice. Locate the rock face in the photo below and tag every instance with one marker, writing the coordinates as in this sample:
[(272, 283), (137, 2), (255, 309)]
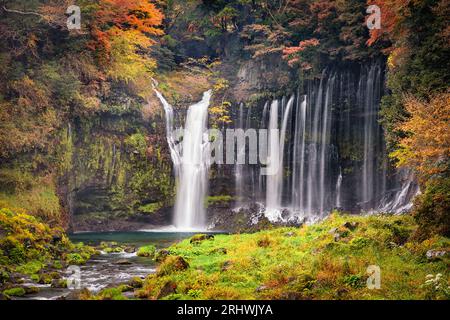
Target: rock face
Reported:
[(248, 219), (254, 76), (115, 180)]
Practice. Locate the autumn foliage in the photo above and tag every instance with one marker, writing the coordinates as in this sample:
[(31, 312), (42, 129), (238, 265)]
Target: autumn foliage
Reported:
[(123, 20), (292, 53), (426, 147), (392, 13)]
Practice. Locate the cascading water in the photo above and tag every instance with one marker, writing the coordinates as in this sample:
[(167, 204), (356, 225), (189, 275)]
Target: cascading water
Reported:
[(276, 153), (193, 182), (331, 151), (338, 189), (168, 110), (191, 163), (272, 189), (239, 168)]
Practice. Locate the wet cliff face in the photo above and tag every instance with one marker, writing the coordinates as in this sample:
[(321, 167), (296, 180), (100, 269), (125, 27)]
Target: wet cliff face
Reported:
[(333, 152), (118, 176)]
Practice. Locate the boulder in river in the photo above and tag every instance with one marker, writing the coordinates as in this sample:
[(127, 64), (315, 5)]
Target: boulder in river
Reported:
[(123, 262), (82, 294), (136, 282)]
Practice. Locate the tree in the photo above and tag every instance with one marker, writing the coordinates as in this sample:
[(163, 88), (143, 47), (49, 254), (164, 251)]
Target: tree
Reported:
[(116, 21), (426, 146)]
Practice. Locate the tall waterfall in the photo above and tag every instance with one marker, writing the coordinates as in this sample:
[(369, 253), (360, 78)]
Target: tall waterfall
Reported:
[(331, 152), (239, 168), (191, 163), (193, 177), (276, 153)]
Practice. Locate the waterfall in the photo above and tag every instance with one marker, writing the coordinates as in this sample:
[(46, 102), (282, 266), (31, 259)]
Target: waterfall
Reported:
[(311, 143), (193, 177), (330, 152), (398, 200), (336, 155), (272, 183), (276, 153), (170, 136), (191, 163), (239, 168), (298, 173), (261, 179), (284, 126), (370, 112), (324, 143), (338, 189)]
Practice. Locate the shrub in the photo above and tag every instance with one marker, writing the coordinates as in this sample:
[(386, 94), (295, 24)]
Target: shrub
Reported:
[(354, 281), (432, 209)]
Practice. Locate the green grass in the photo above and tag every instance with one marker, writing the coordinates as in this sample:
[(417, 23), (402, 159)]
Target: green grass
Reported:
[(307, 263)]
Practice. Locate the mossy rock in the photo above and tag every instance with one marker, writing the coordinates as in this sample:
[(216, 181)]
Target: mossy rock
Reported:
[(161, 255), (219, 251), (45, 278), (14, 292), (82, 294), (4, 276), (112, 294), (172, 264), (125, 288), (201, 237), (31, 290), (113, 250), (59, 283), (167, 289), (147, 251), (136, 282)]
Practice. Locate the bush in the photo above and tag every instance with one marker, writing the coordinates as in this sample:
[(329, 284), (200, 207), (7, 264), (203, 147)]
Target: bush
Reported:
[(432, 209), (354, 281)]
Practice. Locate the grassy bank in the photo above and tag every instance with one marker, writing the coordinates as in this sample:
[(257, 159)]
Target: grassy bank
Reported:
[(32, 250), (328, 260)]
